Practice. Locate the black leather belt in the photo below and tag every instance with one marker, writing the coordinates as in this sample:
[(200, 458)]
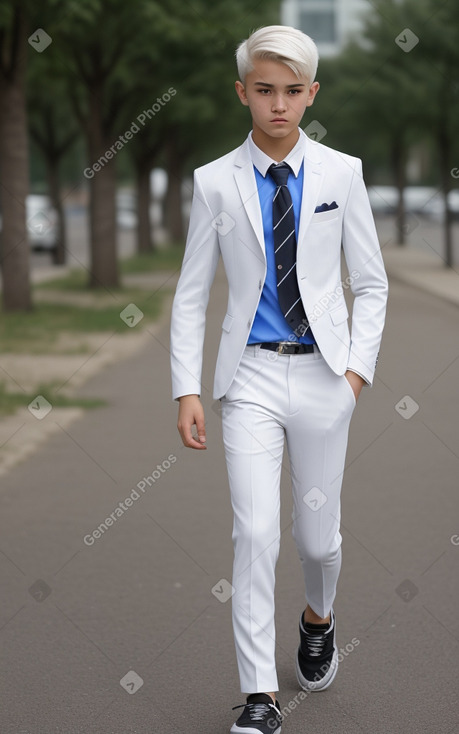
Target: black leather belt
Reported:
[(288, 347)]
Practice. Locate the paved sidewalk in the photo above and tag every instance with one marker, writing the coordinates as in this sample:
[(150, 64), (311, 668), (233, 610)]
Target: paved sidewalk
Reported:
[(422, 270), (83, 356), (130, 631)]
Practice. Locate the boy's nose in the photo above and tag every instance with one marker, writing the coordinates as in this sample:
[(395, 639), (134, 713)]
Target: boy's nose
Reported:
[(278, 104)]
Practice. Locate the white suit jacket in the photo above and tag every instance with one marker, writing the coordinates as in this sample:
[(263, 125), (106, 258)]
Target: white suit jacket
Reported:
[(226, 220)]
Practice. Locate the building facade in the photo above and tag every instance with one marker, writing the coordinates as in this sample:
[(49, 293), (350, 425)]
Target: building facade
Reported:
[(329, 22)]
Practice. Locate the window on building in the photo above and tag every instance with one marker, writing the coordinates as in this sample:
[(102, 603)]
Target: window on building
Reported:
[(318, 20)]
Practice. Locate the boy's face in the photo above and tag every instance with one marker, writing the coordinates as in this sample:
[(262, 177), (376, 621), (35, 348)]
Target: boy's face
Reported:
[(277, 98)]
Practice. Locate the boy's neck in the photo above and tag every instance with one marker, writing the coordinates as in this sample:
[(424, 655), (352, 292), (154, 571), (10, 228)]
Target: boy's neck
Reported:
[(276, 148)]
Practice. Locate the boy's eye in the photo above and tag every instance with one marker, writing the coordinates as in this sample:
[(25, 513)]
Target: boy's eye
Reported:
[(292, 92)]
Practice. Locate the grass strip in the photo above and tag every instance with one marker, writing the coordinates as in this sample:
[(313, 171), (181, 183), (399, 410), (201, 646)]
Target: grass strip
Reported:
[(11, 401)]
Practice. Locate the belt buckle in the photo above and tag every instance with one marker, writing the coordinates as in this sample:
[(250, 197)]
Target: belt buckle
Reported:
[(282, 347)]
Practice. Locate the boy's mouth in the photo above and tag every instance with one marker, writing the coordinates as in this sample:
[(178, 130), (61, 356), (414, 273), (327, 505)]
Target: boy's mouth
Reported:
[(279, 119)]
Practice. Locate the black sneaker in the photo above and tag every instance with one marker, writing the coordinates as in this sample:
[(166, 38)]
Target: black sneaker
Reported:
[(317, 656), (260, 716)]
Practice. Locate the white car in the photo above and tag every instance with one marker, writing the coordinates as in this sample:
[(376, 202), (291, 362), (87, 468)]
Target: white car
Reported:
[(435, 207), (126, 209), (383, 199), (42, 223), (422, 200)]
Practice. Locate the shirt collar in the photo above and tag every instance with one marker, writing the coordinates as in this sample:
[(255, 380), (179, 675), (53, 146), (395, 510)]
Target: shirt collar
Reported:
[(262, 162)]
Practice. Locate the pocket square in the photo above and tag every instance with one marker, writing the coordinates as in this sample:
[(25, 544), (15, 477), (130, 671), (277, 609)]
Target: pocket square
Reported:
[(326, 207)]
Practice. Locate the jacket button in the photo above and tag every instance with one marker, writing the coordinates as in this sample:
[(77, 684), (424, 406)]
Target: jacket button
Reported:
[(248, 324), (259, 285)]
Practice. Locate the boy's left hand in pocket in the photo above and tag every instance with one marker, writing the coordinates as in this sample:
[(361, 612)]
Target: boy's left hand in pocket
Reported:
[(355, 381)]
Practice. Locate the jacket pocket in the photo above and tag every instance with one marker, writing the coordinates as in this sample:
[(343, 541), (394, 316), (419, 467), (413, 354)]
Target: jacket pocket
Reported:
[(339, 314), (327, 216)]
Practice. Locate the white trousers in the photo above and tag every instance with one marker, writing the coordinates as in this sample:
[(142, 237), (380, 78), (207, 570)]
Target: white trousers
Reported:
[(297, 396)]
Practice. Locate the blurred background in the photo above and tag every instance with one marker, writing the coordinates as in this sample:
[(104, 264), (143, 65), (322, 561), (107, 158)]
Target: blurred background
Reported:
[(106, 108)]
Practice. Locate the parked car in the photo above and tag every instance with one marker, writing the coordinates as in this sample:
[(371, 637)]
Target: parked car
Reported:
[(435, 207), (42, 223), (383, 199), (126, 209), (424, 201)]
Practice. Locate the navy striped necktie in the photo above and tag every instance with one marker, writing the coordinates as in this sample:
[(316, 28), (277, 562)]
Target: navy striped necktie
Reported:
[(288, 292)]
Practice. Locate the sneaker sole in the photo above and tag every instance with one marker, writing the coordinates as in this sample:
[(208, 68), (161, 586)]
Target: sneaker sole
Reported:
[(323, 683), (248, 730)]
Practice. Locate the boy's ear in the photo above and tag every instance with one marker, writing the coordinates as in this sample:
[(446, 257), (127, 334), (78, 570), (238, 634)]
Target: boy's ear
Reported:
[(240, 91), (313, 89)]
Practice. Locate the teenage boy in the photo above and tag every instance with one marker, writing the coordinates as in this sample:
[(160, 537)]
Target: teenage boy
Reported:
[(279, 210)]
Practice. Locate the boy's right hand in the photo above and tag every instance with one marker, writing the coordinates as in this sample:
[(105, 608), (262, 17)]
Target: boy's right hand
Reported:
[(191, 413)]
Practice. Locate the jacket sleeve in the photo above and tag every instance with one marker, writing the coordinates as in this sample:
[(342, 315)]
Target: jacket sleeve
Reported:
[(368, 278), (192, 295)]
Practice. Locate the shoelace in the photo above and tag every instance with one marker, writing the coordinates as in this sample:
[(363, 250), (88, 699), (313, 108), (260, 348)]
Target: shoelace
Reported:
[(257, 711), (315, 643)]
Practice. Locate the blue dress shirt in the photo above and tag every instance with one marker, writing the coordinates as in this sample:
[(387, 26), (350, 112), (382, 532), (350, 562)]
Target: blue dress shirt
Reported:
[(270, 324)]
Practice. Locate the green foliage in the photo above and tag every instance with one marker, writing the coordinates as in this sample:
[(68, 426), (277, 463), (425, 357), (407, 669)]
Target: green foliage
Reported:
[(375, 95), (376, 101), (370, 94), (135, 52)]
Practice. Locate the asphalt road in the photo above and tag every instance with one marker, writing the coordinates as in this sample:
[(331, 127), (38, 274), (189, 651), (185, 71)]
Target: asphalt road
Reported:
[(122, 634), (423, 234)]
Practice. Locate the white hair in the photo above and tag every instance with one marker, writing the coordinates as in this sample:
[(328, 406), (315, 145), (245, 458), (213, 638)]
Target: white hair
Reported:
[(279, 43)]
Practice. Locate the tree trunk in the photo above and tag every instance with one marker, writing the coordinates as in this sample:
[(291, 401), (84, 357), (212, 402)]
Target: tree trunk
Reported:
[(398, 165), (52, 174), (14, 174), (444, 144), (173, 201), (144, 237), (102, 227), (102, 210)]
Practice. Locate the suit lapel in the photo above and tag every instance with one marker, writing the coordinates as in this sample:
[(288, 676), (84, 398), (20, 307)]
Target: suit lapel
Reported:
[(312, 182), (247, 185)]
